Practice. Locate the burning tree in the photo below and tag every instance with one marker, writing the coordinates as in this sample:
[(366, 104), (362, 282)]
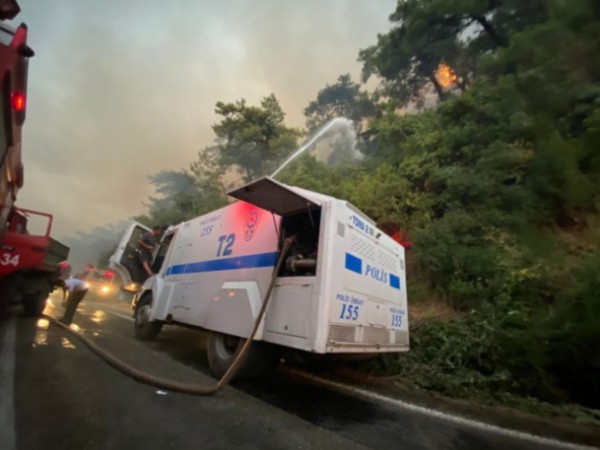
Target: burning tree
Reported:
[(446, 76)]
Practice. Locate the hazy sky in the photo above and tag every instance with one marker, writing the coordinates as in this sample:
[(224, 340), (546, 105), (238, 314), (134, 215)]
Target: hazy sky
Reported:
[(120, 89)]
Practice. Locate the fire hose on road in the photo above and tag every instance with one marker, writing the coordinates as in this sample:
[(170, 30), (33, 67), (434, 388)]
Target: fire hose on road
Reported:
[(176, 386)]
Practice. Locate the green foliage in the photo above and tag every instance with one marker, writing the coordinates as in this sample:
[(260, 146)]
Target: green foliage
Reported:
[(506, 356), (489, 185), (209, 188), (516, 348), (342, 99), (176, 200), (308, 173), (427, 33), (573, 338), (473, 175), (253, 138)]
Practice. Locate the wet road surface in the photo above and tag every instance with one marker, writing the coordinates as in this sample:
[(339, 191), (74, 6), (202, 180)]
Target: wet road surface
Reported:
[(65, 397)]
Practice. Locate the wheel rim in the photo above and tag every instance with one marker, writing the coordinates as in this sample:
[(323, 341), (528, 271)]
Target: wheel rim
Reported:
[(143, 315), (226, 346)]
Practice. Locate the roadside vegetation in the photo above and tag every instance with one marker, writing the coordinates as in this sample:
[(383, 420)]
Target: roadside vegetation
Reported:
[(482, 144)]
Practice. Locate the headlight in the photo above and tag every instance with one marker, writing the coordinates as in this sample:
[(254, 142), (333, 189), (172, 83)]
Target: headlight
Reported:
[(105, 289), (132, 287)]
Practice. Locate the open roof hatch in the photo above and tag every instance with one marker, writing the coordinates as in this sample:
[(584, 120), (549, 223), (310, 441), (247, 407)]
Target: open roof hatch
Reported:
[(273, 196)]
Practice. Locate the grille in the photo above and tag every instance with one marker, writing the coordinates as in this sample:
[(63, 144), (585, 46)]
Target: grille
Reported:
[(401, 337), (387, 260), (361, 247), (341, 333), (376, 335)]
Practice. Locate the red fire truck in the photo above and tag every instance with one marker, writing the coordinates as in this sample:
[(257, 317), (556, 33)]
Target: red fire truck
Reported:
[(28, 261)]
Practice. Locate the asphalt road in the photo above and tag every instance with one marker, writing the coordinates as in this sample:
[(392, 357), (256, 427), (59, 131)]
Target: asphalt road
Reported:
[(56, 394)]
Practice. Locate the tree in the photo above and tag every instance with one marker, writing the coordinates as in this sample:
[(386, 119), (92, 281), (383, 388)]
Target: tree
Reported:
[(407, 57), (511, 155), (186, 194), (253, 138), (176, 200), (208, 181), (342, 99), (431, 33)]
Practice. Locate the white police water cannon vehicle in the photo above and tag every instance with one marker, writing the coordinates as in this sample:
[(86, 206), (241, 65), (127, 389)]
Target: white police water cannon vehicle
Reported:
[(341, 289)]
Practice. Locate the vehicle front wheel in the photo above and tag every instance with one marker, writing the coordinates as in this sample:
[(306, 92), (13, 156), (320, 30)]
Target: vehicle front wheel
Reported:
[(145, 329), (222, 349)]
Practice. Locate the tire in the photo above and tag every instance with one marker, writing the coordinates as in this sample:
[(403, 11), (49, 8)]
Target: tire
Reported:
[(222, 349), (35, 303), (145, 329)]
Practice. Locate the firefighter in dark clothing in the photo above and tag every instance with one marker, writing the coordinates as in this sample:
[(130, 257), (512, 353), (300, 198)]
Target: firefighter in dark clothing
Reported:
[(146, 246)]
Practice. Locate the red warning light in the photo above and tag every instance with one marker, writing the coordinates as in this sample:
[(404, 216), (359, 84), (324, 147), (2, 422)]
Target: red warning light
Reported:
[(18, 101), (109, 274)]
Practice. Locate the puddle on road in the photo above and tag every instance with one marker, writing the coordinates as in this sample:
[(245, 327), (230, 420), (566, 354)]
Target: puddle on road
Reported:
[(44, 336), (65, 343), (41, 333), (98, 317)]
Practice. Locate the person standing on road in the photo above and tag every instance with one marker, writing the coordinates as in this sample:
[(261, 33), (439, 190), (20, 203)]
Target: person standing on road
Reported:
[(146, 246)]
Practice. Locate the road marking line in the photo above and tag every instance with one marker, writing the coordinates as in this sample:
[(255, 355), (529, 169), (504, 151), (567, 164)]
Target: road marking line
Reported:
[(441, 415), (109, 311), (410, 406), (7, 380)]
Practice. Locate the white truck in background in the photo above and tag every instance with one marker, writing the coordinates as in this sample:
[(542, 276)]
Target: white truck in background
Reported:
[(342, 289)]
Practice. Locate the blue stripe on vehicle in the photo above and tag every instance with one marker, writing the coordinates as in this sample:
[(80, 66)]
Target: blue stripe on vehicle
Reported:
[(353, 263), (238, 262), (394, 281), (176, 270)]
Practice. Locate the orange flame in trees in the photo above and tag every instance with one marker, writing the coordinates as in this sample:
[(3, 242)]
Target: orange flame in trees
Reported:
[(446, 75)]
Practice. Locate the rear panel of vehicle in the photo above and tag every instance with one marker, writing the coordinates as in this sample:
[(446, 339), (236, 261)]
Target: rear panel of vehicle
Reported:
[(366, 293)]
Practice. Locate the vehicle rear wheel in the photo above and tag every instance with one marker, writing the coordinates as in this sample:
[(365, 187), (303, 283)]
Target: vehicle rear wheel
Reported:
[(222, 349), (35, 302), (145, 329)]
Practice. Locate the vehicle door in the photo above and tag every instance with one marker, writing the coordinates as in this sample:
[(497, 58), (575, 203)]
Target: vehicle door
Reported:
[(125, 260)]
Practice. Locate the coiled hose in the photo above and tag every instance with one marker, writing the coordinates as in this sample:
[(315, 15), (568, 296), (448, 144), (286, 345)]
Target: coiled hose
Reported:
[(177, 386)]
